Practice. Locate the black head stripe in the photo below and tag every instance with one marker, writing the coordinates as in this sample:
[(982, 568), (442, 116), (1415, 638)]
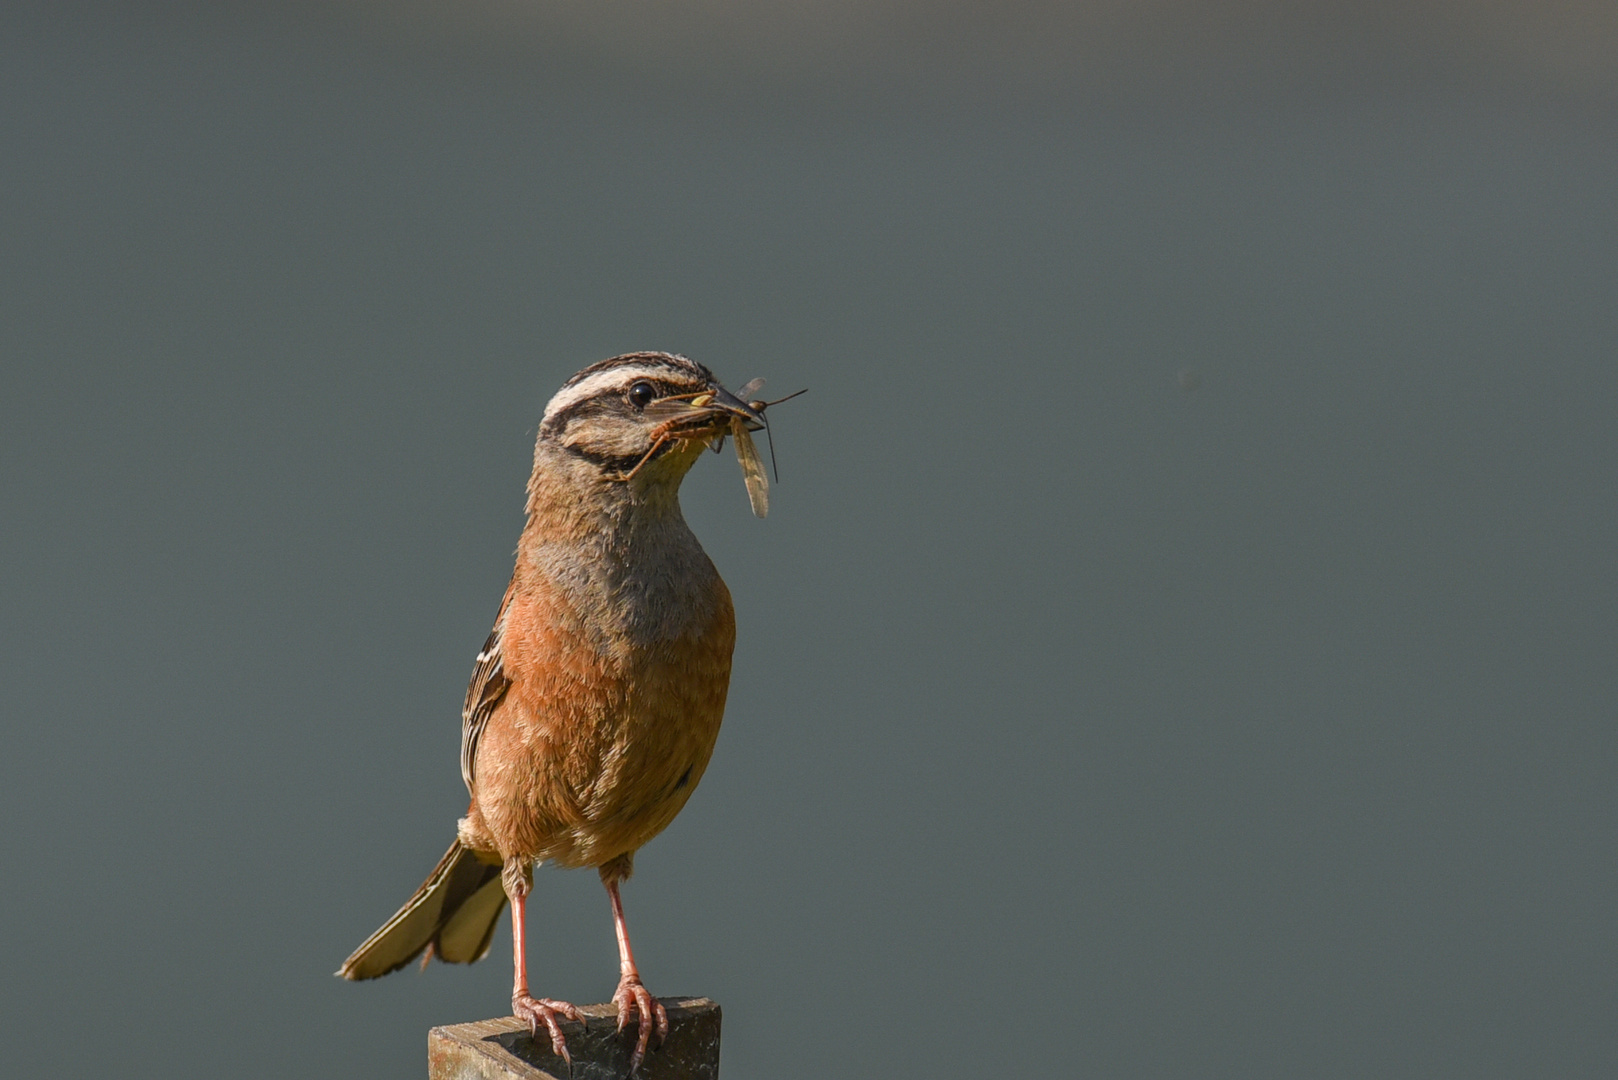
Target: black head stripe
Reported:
[(599, 388), (678, 366)]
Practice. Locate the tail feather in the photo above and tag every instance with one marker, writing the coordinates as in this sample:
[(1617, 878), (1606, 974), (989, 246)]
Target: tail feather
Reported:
[(453, 913), (466, 934)]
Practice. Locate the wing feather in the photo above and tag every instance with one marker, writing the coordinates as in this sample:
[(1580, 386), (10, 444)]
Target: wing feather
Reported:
[(487, 689)]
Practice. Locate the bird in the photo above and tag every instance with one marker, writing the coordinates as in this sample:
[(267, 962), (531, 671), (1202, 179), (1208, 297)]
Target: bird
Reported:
[(595, 703)]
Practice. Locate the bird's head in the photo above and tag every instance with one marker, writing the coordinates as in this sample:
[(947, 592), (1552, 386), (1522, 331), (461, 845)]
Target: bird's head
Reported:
[(640, 419)]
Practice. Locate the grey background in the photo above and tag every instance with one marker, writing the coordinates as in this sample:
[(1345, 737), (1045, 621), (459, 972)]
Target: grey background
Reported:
[(1183, 641)]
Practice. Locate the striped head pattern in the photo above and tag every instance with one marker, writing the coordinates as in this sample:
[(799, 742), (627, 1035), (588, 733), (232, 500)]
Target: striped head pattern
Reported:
[(623, 413)]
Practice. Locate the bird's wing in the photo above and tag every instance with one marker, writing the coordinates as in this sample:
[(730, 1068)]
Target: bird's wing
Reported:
[(488, 687)]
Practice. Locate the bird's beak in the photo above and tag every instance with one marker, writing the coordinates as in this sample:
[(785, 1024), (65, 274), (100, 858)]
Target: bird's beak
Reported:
[(712, 411), (727, 402)]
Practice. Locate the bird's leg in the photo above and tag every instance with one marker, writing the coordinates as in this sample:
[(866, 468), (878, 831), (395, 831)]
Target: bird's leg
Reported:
[(517, 879), (631, 997)]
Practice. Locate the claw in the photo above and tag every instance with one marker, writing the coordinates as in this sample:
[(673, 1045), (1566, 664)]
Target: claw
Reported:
[(544, 1010), (632, 998)]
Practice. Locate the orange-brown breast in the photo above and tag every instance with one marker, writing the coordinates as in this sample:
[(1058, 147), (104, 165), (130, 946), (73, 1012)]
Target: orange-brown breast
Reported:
[(599, 741)]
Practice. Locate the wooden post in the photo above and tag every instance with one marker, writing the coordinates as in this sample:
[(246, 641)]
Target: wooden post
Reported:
[(503, 1050)]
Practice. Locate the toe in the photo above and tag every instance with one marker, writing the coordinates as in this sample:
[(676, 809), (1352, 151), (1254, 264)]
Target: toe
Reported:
[(558, 1044), (544, 1010), (644, 1036), (662, 1015), (635, 1002)]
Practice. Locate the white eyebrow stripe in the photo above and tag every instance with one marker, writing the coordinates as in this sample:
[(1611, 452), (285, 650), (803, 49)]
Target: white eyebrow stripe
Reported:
[(604, 380)]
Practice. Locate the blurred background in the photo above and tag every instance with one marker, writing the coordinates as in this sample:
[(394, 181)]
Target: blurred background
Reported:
[(1183, 643)]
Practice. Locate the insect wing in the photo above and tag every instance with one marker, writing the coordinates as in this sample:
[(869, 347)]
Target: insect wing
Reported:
[(750, 391), (758, 482)]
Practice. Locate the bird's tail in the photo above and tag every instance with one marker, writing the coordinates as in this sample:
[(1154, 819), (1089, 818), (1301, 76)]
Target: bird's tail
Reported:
[(453, 914)]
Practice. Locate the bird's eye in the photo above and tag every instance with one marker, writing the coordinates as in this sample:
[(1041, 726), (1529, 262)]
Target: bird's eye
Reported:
[(641, 394)]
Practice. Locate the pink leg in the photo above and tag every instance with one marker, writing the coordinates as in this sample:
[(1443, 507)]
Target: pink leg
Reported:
[(524, 1006), (632, 997)]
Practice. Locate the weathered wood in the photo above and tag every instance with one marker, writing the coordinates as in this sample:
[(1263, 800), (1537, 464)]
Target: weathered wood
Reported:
[(502, 1049)]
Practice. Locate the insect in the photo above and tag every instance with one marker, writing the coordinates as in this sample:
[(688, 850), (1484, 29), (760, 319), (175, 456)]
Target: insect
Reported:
[(682, 411), (753, 474)]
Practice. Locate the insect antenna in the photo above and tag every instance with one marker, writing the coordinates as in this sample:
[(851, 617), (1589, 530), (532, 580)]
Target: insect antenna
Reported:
[(759, 407), (762, 405), (769, 437)]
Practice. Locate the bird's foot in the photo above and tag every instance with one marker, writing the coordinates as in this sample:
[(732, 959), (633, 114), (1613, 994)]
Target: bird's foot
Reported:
[(633, 999), (537, 1011)]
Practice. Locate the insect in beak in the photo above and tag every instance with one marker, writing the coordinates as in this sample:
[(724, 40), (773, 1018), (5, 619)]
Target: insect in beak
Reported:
[(741, 428), (742, 416)]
